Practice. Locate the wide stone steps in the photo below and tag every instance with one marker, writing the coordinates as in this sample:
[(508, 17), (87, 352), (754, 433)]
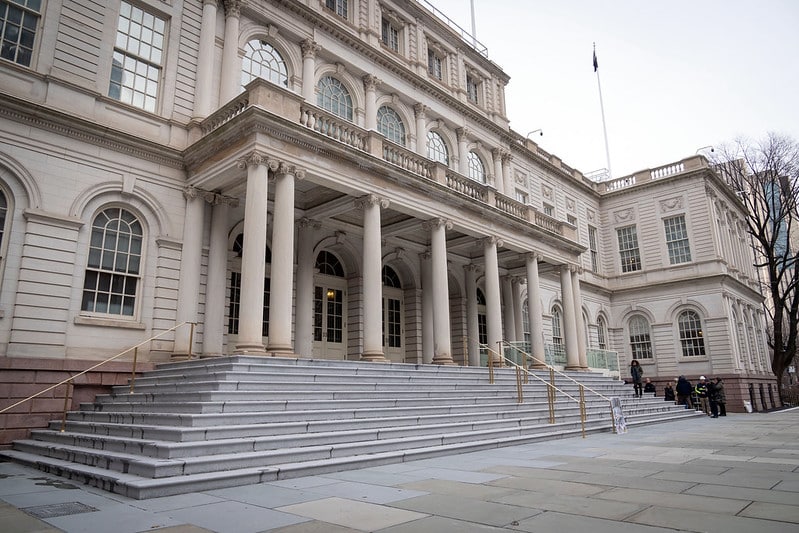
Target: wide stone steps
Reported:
[(235, 420)]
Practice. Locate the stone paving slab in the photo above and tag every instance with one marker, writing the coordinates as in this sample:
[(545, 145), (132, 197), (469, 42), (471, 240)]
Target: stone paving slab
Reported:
[(684, 520), (357, 515), (466, 509)]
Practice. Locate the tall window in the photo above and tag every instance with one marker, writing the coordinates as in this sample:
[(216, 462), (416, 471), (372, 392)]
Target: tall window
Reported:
[(390, 35), (602, 333), (472, 89), (138, 51), (477, 171), (334, 97), (234, 305), (435, 65), (677, 240), (549, 210), (339, 7), (640, 338), (437, 148), (18, 22), (261, 60), (592, 246), (392, 311), (557, 328), (628, 249), (113, 268), (691, 336), (390, 124), (482, 319)]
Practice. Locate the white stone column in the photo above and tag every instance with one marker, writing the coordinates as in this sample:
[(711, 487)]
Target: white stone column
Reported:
[(214, 326), (509, 322), (507, 179), (463, 151), (569, 323), (281, 289), (372, 278), (441, 326), (253, 265), (518, 316), (309, 50), (493, 301), (370, 83), (582, 343), (421, 129), (190, 262), (231, 66), (499, 182), (428, 337), (536, 315), (472, 322), (205, 62), (303, 329)]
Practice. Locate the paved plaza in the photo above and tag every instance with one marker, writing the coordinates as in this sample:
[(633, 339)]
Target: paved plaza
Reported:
[(726, 475)]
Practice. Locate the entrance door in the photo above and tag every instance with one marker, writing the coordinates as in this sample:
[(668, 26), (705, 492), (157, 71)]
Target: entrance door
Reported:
[(329, 321), (392, 325)]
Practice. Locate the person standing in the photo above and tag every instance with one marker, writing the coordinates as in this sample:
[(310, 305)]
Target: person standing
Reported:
[(668, 393), (721, 397), (684, 390), (701, 391), (637, 374)]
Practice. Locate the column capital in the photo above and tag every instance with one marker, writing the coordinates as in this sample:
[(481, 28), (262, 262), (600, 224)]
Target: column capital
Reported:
[(256, 158), (309, 223), (491, 241), (211, 197), (420, 110), (214, 3), (437, 223), (309, 48), (370, 82), (533, 256), (472, 267), (288, 168), (463, 133), (426, 256), (233, 8), (371, 200)]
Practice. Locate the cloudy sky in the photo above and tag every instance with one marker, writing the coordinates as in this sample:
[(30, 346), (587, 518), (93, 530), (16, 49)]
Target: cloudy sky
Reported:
[(676, 75)]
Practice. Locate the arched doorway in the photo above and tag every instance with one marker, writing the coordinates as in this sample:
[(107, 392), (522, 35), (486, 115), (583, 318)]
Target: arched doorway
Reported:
[(393, 324), (330, 307)]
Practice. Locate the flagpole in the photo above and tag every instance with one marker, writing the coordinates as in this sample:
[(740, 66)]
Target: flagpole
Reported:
[(602, 109)]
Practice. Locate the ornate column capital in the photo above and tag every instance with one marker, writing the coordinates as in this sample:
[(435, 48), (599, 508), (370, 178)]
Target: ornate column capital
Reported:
[(463, 133), (210, 197), (419, 110), (472, 267), (533, 256), (434, 223), (370, 82), (491, 241), (288, 168), (256, 158), (309, 48), (309, 223), (232, 8), (371, 200)]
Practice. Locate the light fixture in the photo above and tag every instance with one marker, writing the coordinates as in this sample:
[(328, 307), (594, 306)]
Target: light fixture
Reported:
[(331, 294), (705, 148), (539, 131)]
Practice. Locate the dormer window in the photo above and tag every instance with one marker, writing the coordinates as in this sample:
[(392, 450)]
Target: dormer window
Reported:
[(472, 89), (435, 64), (339, 7), (390, 35)]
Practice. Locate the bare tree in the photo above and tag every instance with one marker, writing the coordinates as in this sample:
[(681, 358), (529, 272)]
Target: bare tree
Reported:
[(765, 176)]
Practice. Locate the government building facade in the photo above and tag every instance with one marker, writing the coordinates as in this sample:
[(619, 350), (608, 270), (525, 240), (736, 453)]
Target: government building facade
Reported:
[(334, 179)]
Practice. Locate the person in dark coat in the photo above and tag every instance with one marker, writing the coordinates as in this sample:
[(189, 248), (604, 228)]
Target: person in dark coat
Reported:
[(637, 374), (684, 390), (649, 386), (668, 393), (721, 397)]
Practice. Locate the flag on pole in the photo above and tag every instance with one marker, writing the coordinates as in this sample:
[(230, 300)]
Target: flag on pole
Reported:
[(596, 64)]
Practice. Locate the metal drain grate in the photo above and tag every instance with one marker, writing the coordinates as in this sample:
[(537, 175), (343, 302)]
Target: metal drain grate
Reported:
[(59, 509)]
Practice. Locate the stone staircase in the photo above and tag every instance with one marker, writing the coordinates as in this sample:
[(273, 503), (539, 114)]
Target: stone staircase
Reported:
[(238, 420)]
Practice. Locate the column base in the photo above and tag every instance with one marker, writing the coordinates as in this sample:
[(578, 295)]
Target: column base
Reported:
[(250, 349), (443, 359), (181, 356), (576, 367), (374, 357)]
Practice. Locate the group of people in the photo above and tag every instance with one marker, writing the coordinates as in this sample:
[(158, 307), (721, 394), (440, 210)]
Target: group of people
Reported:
[(709, 396)]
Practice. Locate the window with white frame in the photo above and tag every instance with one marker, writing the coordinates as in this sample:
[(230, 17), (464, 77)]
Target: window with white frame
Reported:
[(435, 64), (472, 89), (593, 249), (339, 7), (640, 338), (557, 327), (390, 34), (262, 60), (113, 268), (138, 54), (333, 96), (437, 148), (477, 170), (571, 219), (628, 249), (549, 210), (521, 196), (234, 300), (692, 338), (677, 240), (390, 124), (19, 20), (601, 333)]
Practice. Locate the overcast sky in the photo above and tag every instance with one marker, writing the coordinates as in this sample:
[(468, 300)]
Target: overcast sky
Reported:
[(676, 75)]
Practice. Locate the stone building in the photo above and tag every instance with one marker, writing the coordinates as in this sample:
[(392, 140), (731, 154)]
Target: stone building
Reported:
[(327, 179)]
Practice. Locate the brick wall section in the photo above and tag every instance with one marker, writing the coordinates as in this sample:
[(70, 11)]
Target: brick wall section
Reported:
[(21, 377)]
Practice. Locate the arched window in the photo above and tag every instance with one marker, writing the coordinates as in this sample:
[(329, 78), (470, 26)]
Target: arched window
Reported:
[(526, 324), (602, 333), (390, 278), (437, 148), (640, 338), (482, 319), (262, 60), (113, 269), (234, 305), (557, 328), (3, 212), (390, 124), (477, 171), (334, 97), (329, 265), (691, 335), (392, 309), (238, 248)]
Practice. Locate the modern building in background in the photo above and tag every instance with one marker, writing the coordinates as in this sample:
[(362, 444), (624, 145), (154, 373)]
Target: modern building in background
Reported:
[(330, 179)]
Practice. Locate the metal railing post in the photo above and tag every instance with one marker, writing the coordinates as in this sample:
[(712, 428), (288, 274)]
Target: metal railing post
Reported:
[(551, 391), (70, 386), (191, 340), (133, 372), (582, 408), (519, 392)]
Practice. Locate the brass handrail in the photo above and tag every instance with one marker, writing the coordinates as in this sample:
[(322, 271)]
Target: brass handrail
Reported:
[(71, 385)]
